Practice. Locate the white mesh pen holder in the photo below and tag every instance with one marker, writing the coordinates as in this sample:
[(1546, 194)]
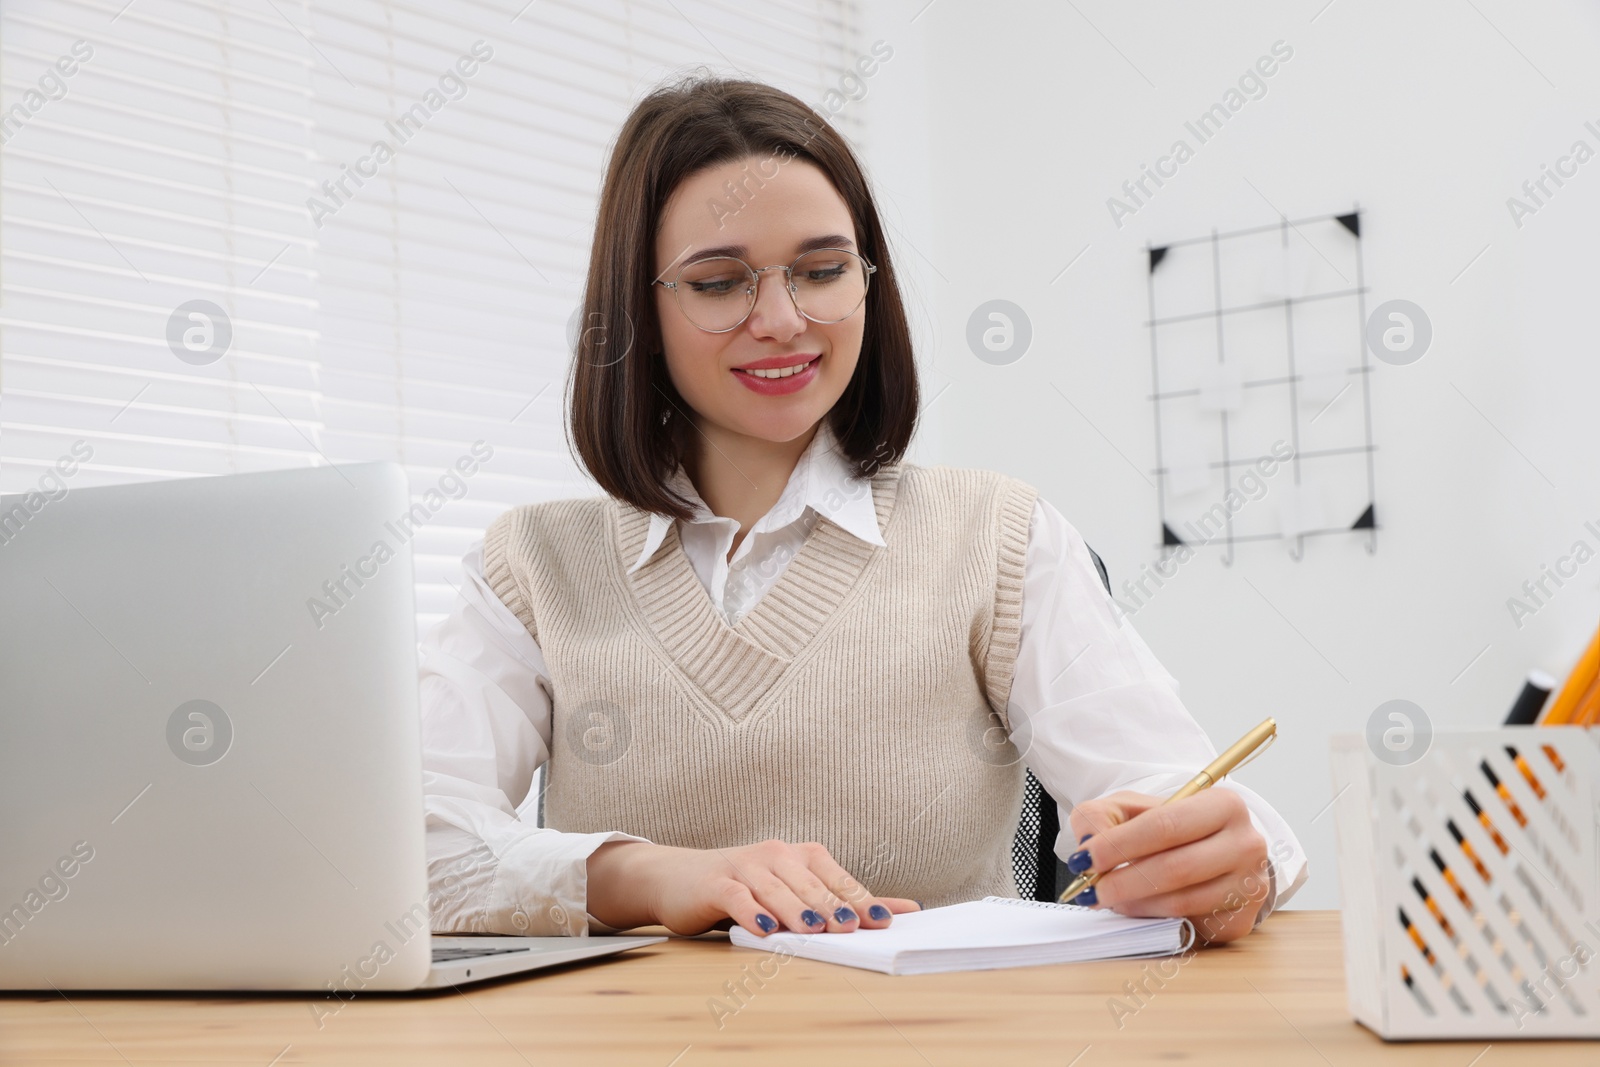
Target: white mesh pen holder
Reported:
[(1470, 884)]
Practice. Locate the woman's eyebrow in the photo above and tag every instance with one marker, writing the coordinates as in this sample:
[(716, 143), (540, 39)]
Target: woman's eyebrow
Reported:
[(830, 240)]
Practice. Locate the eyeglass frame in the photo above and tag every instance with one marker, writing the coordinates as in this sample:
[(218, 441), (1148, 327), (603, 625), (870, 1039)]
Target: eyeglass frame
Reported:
[(755, 290)]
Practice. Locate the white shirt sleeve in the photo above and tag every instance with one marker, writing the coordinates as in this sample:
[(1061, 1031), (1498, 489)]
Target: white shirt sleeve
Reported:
[(485, 695), (1094, 712)]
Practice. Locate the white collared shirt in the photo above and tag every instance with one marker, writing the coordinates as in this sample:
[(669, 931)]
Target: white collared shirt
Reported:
[(821, 484), (1090, 705)]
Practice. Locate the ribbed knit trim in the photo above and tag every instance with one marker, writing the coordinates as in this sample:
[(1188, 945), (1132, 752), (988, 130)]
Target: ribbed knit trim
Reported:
[(735, 666), (1014, 509), (497, 570)]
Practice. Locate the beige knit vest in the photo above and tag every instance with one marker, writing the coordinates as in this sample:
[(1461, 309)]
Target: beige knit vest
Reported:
[(857, 705)]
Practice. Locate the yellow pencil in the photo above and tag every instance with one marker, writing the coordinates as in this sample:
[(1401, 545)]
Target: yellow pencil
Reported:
[(1579, 682), (1527, 772), (1588, 711)]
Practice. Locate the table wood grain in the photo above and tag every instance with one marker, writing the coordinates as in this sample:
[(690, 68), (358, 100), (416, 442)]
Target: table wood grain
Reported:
[(1277, 998)]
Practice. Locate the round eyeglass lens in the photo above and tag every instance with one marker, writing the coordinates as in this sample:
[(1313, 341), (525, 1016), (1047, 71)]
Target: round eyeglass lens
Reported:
[(829, 284), (716, 294)]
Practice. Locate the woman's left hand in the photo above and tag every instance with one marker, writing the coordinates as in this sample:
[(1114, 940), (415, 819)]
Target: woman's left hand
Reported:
[(1198, 857)]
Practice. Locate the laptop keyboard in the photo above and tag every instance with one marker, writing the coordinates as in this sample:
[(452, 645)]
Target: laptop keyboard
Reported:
[(450, 955)]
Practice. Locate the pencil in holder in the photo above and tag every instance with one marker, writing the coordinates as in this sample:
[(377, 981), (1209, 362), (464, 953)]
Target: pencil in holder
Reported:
[(1469, 884)]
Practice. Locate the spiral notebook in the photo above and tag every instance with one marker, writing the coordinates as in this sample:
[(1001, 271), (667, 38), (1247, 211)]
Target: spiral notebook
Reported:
[(984, 935)]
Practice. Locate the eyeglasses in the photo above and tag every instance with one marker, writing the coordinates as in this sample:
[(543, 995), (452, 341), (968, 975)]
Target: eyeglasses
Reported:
[(826, 285)]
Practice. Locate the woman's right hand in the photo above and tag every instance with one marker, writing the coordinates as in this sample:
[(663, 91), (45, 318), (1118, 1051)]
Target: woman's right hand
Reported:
[(761, 887)]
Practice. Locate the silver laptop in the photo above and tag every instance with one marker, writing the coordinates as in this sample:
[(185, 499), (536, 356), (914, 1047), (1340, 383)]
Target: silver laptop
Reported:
[(210, 769)]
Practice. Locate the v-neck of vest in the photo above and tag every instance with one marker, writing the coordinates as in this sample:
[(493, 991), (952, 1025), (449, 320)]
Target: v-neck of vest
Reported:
[(736, 665)]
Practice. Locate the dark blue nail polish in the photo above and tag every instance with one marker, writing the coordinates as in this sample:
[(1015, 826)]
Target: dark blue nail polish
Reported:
[(921, 906), (1087, 899), (812, 918), (766, 922), (1084, 838), (844, 915), (1079, 861), (878, 912)]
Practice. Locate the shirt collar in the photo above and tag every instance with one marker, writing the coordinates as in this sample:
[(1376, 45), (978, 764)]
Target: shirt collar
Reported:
[(823, 480)]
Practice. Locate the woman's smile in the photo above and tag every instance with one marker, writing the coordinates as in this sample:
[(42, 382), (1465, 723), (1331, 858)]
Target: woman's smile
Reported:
[(779, 375)]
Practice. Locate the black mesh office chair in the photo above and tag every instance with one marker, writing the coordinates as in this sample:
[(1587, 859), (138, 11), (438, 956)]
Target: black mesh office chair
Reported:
[(1040, 874)]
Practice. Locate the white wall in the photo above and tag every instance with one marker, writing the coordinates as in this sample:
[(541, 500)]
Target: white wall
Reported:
[(999, 131)]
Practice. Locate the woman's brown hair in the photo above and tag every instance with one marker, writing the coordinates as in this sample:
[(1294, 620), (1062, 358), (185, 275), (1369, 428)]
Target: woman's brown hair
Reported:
[(626, 422)]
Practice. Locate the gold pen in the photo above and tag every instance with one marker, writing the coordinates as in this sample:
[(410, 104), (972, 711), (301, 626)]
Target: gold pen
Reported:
[(1219, 768)]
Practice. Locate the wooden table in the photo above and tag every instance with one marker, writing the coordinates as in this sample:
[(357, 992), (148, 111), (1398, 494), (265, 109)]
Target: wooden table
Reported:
[(1276, 998)]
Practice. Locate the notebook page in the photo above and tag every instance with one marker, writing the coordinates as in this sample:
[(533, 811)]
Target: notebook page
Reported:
[(995, 927)]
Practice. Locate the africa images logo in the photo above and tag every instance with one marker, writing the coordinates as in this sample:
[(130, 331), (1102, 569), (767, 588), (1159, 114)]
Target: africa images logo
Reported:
[(339, 590)]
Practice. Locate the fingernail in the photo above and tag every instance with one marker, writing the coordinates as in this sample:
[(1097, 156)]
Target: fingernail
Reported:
[(921, 906), (766, 922), (1084, 838), (1086, 899), (844, 915), (1079, 861), (812, 918), (878, 912)]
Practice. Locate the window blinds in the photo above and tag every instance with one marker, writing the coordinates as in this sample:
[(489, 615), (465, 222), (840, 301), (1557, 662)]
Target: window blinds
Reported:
[(252, 234)]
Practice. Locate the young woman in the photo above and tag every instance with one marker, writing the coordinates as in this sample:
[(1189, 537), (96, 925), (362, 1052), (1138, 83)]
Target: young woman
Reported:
[(766, 672)]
